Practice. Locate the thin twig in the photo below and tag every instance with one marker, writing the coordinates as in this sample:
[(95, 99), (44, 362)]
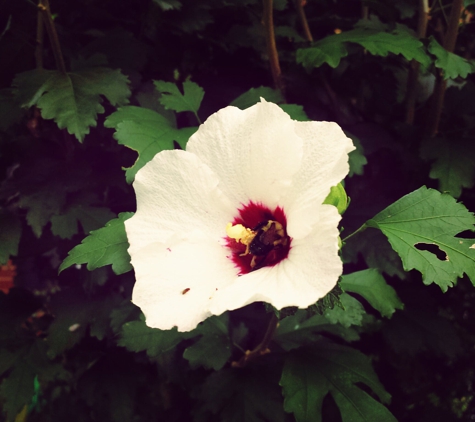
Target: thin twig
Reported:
[(412, 77), (271, 46), (303, 20), (262, 348), (39, 40), (450, 39), (43, 6)]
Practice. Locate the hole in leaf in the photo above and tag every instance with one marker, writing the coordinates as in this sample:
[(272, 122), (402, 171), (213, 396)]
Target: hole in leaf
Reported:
[(467, 234), (440, 254)]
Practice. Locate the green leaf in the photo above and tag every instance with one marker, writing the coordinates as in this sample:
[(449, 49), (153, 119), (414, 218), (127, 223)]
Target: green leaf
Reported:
[(136, 336), (105, 246), (329, 368), (452, 64), (370, 284), (173, 99), (66, 225), (329, 52), (351, 313), (331, 49), (254, 95), (298, 330), (453, 163), (73, 100), (427, 217), (41, 205), (10, 232), (295, 111), (213, 349), (146, 132)]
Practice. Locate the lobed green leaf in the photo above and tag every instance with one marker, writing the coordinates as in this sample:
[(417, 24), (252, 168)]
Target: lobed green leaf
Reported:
[(332, 49), (104, 246), (427, 217), (452, 64), (308, 376), (146, 132), (72, 100), (173, 99)]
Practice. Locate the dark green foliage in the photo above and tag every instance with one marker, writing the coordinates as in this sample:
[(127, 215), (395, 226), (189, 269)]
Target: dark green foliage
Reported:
[(140, 77), (309, 375)]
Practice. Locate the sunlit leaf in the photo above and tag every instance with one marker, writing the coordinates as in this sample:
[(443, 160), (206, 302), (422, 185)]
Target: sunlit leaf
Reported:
[(105, 246), (146, 132), (173, 99), (423, 218)]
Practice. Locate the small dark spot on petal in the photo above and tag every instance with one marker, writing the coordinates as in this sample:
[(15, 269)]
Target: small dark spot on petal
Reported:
[(185, 291)]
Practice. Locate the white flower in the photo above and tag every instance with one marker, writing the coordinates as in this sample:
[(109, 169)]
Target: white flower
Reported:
[(253, 167)]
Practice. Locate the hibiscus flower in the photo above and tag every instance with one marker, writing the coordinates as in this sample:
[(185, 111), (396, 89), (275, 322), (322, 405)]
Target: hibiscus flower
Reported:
[(238, 217)]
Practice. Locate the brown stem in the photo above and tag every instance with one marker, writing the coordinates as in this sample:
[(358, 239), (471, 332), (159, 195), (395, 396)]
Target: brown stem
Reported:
[(44, 8), (271, 47), (414, 67), (303, 20), (262, 348), (450, 39), (39, 41)]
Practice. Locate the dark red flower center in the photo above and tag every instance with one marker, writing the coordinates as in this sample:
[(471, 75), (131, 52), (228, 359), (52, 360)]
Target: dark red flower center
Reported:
[(270, 243)]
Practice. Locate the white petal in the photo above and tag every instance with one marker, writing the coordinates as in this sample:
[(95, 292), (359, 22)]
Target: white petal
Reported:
[(176, 285), (255, 152), (324, 165), (309, 272), (177, 197)]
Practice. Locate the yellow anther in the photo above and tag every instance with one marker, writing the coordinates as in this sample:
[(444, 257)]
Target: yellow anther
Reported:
[(240, 233)]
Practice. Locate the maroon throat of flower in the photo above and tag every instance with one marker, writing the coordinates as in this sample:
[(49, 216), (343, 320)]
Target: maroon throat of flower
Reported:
[(258, 237)]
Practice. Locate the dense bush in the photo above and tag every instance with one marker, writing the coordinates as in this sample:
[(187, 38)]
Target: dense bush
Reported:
[(91, 90)]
